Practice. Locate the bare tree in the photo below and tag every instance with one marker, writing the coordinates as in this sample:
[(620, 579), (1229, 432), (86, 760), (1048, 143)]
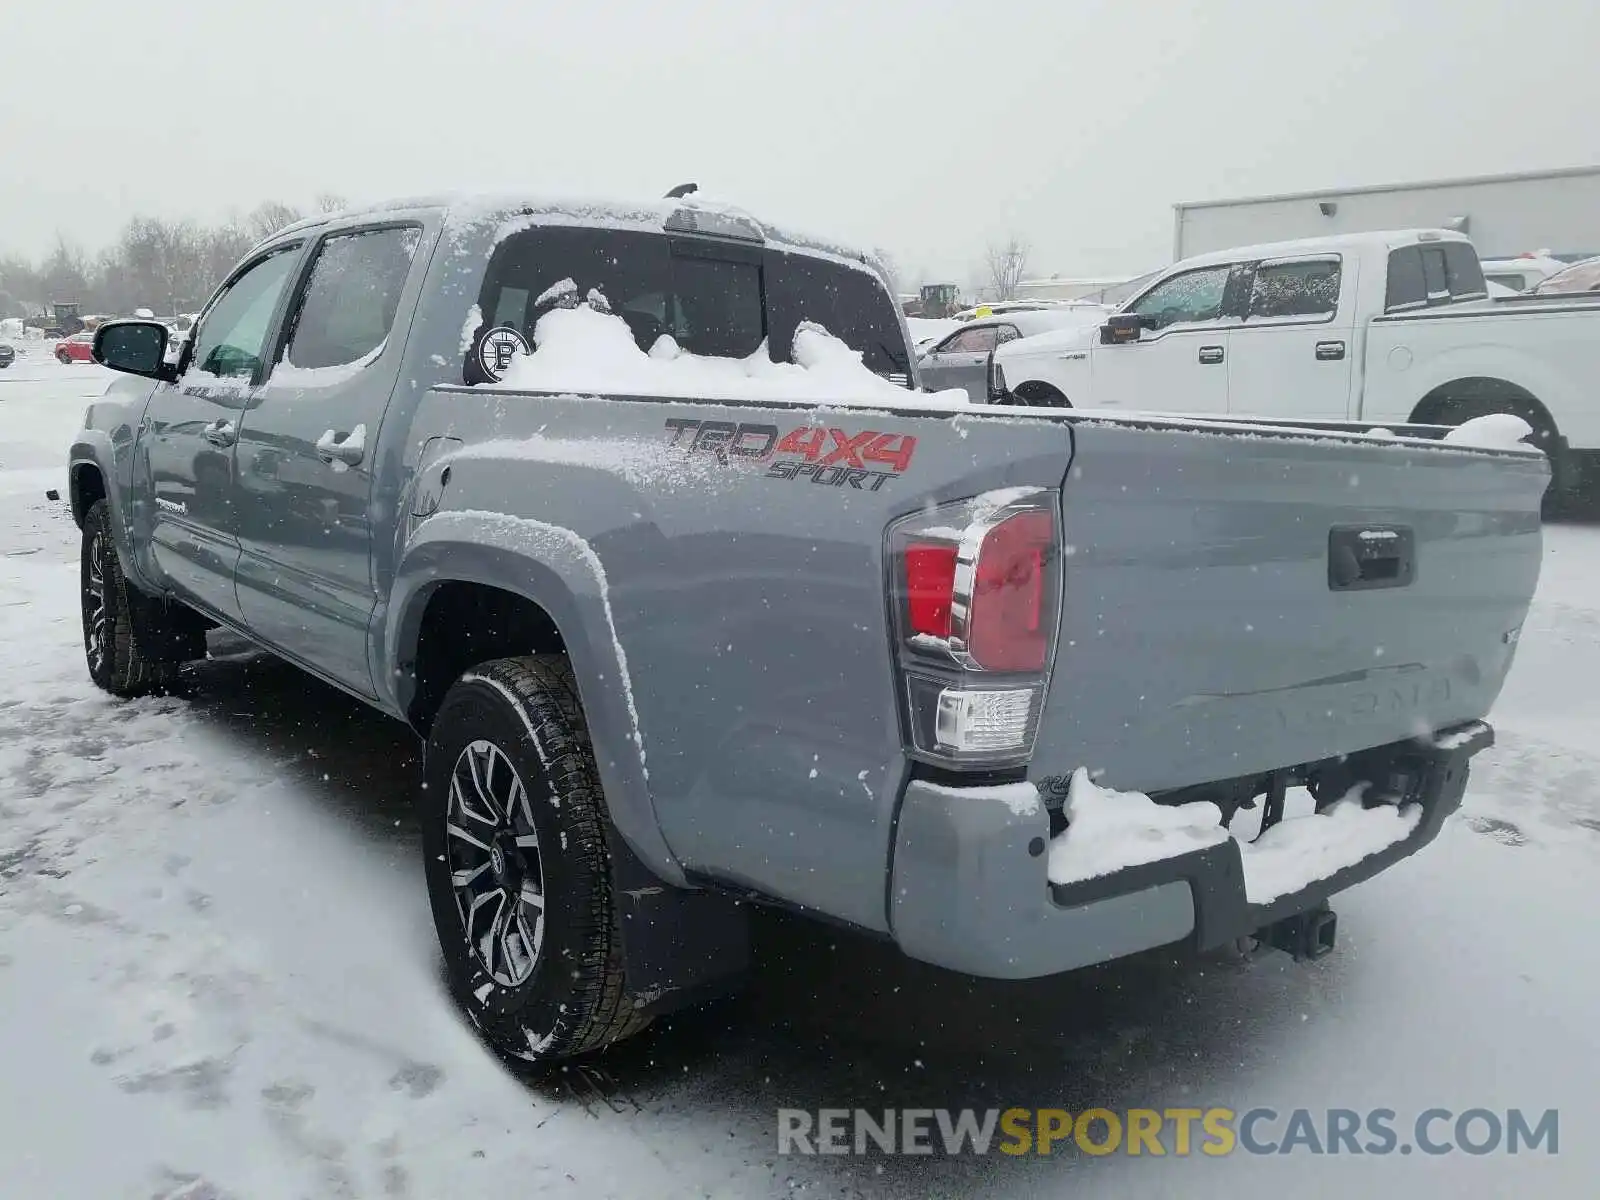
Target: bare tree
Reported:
[(270, 217), (1007, 262), (329, 202)]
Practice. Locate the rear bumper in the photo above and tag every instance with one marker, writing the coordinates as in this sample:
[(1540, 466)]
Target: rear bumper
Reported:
[(970, 891)]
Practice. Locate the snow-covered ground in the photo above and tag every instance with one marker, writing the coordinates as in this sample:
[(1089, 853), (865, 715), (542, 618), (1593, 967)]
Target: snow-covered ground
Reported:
[(218, 978)]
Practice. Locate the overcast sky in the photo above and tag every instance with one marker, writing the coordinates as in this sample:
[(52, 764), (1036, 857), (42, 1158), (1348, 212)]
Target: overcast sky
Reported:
[(920, 126)]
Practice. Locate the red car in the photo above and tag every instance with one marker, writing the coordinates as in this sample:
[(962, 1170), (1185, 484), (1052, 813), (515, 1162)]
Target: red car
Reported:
[(77, 348)]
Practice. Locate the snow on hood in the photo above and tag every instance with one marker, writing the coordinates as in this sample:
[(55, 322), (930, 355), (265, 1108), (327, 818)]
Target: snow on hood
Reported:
[(588, 352), (1072, 337)]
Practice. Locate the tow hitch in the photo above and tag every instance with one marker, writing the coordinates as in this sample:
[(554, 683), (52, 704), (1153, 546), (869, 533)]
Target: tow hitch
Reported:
[(1305, 935)]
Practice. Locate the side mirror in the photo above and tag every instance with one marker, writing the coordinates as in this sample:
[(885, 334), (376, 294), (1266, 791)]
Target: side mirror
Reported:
[(135, 348), (1121, 328)]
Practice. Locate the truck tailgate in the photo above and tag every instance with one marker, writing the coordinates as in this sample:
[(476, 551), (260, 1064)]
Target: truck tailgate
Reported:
[(1238, 602)]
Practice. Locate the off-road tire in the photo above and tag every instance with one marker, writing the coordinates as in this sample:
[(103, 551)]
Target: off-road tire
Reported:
[(134, 643), (575, 1000)]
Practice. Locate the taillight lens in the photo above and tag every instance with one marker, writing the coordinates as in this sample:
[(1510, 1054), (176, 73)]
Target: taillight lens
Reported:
[(1006, 628), (976, 588), (930, 583)]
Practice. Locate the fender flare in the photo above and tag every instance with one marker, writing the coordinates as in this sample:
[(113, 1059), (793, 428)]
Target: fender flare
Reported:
[(555, 568), (92, 448)]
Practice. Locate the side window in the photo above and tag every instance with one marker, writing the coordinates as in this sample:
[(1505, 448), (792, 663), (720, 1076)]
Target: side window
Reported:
[(1406, 288), (351, 296), (1192, 296), (1296, 289), (234, 333), (971, 341), (1463, 272)]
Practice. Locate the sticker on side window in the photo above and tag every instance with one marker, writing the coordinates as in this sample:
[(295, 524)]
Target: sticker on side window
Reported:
[(497, 347)]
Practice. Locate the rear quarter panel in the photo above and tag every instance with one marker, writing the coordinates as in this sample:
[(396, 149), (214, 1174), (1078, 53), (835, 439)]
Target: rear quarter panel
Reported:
[(731, 622)]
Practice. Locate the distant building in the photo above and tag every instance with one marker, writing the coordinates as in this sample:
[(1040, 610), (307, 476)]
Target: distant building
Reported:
[(1504, 215), (1099, 290)]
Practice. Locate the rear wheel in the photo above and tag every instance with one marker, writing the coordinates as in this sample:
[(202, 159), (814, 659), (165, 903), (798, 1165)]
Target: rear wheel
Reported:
[(518, 866), (1474, 399)]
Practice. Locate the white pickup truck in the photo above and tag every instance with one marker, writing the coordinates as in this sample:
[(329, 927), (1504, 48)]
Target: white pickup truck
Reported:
[(1380, 327)]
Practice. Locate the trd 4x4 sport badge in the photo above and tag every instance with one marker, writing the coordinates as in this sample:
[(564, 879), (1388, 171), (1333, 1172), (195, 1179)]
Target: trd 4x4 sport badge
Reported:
[(820, 454)]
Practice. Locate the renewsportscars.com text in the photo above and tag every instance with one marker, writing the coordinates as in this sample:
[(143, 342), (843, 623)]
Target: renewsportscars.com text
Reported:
[(1171, 1131)]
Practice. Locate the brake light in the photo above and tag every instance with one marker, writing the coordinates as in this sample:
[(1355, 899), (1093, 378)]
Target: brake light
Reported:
[(1005, 630), (976, 601), (930, 584)]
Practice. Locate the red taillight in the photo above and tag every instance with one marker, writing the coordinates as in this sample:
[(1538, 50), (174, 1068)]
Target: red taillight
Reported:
[(930, 585), (975, 587), (1007, 627)]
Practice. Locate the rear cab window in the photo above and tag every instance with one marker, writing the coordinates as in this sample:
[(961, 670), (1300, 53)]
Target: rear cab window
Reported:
[(1431, 274), (712, 297)]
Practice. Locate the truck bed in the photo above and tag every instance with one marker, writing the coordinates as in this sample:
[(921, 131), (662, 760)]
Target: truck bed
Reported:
[(744, 587)]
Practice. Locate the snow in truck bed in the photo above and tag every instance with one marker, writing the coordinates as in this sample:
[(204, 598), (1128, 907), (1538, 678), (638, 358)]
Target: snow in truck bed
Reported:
[(585, 351)]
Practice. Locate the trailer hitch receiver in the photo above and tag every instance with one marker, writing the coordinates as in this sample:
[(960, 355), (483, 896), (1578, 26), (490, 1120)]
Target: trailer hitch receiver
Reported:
[(1305, 935)]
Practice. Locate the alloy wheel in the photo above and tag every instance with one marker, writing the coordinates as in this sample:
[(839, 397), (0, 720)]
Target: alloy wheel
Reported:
[(96, 620), (492, 851)]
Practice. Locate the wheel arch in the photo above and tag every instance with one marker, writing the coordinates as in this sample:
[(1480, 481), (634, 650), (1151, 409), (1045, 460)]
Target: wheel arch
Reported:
[(86, 483), (1049, 394), (548, 591), (1470, 392)]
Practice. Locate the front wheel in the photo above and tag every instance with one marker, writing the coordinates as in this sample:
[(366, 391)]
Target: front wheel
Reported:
[(63, 358), (518, 867), (120, 660), (1040, 395)]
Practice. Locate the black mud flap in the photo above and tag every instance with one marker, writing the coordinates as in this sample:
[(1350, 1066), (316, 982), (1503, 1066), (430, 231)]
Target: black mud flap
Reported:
[(680, 947)]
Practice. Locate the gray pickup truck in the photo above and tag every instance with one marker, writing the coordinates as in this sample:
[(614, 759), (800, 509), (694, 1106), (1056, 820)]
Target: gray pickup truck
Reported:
[(676, 650)]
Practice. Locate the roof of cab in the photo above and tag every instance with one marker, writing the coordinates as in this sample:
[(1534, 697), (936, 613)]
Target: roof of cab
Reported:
[(651, 215), (1379, 240)]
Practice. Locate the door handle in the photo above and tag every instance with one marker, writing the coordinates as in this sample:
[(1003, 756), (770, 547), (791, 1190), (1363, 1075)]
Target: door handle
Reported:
[(222, 433), (343, 449), (1330, 351), (1210, 356)]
